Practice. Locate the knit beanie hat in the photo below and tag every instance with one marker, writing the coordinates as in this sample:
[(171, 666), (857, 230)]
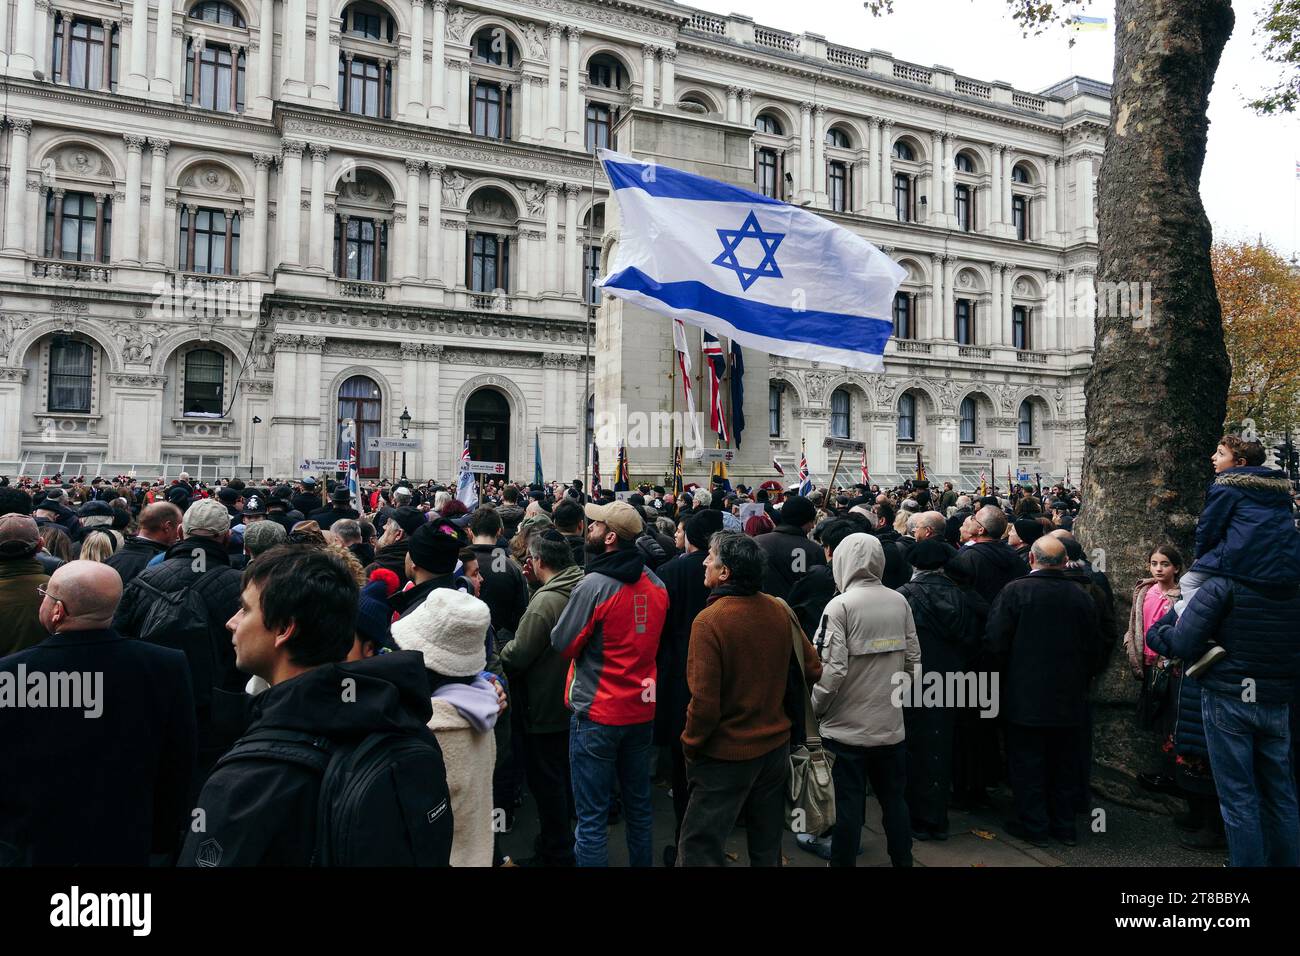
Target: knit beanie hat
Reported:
[(450, 630), (373, 612), (931, 554), (797, 511), (434, 551), (702, 526), (1028, 530)]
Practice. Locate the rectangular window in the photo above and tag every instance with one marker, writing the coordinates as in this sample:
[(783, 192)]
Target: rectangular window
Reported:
[(83, 54), (766, 173), (489, 262), (590, 273), (964, 208), (965, 322), (774, 410), (73, 226), (903, 197), (599, 121), (218, 68), (365, 87), (1020, 327), (71, 365), (837, 186), (361, 251), (1020, 216), (902, 315), (209, 242)]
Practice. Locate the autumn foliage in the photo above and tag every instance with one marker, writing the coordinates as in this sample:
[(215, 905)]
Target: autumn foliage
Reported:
[(1259, 293)]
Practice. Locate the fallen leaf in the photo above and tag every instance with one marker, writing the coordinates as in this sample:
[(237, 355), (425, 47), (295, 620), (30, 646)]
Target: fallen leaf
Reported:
[(984, 834), (733, 857)]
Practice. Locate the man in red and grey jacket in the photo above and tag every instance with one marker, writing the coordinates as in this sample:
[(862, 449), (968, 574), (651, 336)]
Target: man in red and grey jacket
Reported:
[(610, 630)]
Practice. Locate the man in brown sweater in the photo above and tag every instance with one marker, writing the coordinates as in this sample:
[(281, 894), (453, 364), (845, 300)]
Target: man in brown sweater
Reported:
[(737, 736)]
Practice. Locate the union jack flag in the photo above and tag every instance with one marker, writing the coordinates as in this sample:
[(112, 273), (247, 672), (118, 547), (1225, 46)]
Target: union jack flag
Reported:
[(711, 350), (805, 479), (866, 478), (595, 471)]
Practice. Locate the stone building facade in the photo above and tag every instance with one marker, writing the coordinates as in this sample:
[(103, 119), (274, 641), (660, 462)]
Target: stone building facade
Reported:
[(303, 213)]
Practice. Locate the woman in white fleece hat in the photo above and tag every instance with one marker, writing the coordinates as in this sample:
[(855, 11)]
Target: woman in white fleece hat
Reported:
[(450, 630)]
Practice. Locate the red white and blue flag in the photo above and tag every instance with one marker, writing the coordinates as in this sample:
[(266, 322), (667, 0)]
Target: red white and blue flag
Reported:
[(711, 350), (776, 465), (466, 488), (866, 477), (805, 478), (595, 471)]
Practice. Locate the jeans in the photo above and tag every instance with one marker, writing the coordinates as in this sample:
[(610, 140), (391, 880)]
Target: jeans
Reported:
[(549, 780), (1250, 755), (886, 769), (601, 755), (1043, 763), (724, 791)]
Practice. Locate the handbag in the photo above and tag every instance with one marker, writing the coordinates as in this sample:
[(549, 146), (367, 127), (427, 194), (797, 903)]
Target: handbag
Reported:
[(810, 797)]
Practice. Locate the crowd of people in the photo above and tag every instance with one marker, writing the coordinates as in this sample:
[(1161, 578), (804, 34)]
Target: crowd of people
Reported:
[(280, 677)]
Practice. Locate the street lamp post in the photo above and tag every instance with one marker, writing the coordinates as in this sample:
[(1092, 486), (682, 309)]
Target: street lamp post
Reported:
[(252, 446), (405, 420)]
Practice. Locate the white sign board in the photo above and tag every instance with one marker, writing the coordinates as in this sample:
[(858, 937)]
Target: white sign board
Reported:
[(395, 444), (748, 511), (623, 495), (844, 444), (714, 454), (488, 467), (322, 464)]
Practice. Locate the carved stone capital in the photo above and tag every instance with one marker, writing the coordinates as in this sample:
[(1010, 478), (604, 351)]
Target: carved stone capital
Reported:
[(134, 143)]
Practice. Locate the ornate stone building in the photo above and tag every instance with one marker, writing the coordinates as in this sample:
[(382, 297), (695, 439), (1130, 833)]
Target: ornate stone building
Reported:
[(231, 225)]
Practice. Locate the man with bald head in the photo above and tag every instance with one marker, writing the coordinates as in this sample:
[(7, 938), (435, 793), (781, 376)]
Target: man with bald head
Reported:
[(1042, 629), (160, 528), (985, 558), (95, 769)]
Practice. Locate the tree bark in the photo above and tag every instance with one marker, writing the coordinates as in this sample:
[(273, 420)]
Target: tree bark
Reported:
[(1157, 390)]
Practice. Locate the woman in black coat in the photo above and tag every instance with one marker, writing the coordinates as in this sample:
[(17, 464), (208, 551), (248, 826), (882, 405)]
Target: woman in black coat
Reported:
[(948, 621)]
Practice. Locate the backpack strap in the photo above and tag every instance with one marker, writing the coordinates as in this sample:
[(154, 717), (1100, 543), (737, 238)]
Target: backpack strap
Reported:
[(287, 746)]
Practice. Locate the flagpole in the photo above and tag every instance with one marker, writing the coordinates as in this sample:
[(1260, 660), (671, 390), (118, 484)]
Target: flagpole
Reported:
[(830, 490), (586, 361)]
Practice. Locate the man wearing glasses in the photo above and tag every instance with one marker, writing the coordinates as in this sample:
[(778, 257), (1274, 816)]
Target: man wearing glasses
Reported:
[(102, 782)]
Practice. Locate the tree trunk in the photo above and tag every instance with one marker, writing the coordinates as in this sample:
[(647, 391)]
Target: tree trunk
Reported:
[(1157, 390)]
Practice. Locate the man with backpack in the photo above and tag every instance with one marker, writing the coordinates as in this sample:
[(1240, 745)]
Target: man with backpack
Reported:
[(183, 602), (337, 767)]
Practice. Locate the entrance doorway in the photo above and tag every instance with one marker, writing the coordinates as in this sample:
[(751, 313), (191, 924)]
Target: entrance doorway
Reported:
[(487, 426)]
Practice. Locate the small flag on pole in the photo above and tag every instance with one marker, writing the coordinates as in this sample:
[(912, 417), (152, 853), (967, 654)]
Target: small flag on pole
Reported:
[(466, 488), (776, 466), (866, 477), (537, 457), (711, 349), (677, 470), (805, 479), (620, 470), (1083, 24), (920, 467), (984, 484), (684, 363)]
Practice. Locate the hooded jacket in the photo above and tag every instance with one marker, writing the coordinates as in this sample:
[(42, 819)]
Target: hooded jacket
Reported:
[(263, 812), (1246, 531), (610, 630), (530, 658), (867, 635), (462, 720)]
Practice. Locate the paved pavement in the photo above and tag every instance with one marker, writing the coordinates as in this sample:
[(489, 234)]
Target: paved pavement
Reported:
[(1128, 838)]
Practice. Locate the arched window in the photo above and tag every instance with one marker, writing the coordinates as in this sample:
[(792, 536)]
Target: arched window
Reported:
[(369, 21), (361, 401), (767, 123), (492, 45), (493, 57), (837, 137), (907, 418), (606, 72), (839, 413), (365, 82), (71, 368), (966, 421), (1019, 174), (963, 163), (1025, 429), (774, 408), (205, 372), (487, 426), (1020, 203), (217, 11), (903, 151)]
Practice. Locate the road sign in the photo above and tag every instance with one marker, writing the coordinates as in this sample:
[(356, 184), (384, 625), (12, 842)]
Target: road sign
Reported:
[(394, 444), (323, 464), (488, 467), (714, 454), (844, 444)]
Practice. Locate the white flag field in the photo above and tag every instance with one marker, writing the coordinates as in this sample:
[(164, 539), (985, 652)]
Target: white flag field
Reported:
[(769, 275)]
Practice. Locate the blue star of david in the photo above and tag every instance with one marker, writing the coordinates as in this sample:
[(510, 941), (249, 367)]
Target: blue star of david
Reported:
[(731, 240)]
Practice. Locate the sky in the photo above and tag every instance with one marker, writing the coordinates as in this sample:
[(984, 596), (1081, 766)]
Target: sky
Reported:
[(1249, 184)]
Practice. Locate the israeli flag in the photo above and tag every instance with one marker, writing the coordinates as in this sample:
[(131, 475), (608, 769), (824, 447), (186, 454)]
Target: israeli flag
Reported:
[(766, 274)]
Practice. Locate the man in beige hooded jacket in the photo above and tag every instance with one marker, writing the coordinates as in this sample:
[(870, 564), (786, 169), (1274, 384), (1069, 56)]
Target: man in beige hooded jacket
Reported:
[(865, 638)]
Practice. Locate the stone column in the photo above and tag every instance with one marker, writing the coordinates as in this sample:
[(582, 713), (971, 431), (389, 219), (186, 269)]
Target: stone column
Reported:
[(553, 132), (819, 153), (995, 187), (458, 241), (264, 55), (949, 182), (157, 201), (1057, 315), (22, 61), (434, 268), (261, 206), (138, 76), (411, 268), (805, 150), (861, 177), (438, 68), (415, 93), (454, 95), (996, 303), (1049, 203), (17, 193), (552, 281), (668, 78), (935, 210), (747, 107), (648, 75), (873, 166), (293, 47), (936, 320), (162, 52), (129, 247), (519, 284), (1005, 155), (317, 257), (573, 128), (733, 104), (41, 28), (525, 132), (1083, 216), (572, 264), (1004, 320), (322, 88), (883, 163), (290, 205), (949, 300)]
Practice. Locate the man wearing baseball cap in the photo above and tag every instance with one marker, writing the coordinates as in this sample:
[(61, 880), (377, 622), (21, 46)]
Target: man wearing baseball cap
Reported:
[(610, 631), (20, 575), (184, 601)]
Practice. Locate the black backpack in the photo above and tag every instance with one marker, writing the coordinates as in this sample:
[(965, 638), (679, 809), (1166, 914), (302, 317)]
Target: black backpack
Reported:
[(383, 798), (182, 620)]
